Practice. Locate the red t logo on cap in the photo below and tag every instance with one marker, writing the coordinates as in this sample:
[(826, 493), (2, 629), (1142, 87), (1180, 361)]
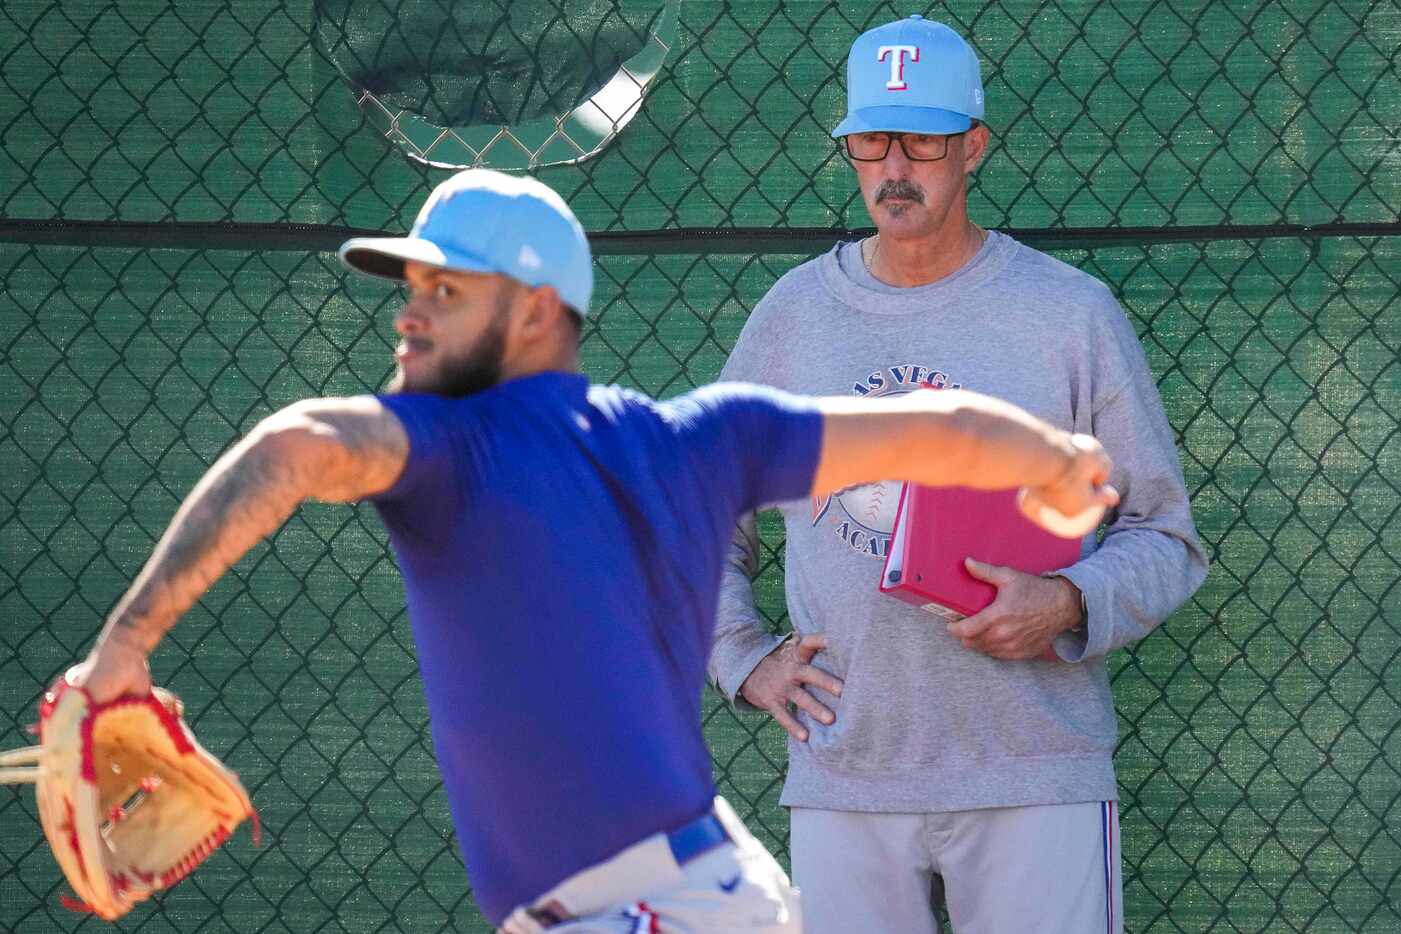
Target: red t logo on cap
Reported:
[(897, 64)]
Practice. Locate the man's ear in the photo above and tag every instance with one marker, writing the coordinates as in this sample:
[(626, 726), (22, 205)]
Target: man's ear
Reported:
[(539, 314), (975, 146)]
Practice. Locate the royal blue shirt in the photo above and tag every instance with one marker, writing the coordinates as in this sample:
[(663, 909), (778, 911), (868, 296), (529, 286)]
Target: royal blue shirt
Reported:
[(561, 547)]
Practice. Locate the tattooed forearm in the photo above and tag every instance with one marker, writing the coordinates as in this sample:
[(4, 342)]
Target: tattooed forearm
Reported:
[(245, 496), (329, 449)]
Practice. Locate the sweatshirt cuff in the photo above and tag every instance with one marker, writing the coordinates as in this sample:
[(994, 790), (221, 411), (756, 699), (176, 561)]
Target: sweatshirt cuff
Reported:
[(1092, 639), (740, 657)]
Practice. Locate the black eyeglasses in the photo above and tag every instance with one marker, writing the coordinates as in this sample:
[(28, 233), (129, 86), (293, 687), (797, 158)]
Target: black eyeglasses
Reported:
[(917, 147)]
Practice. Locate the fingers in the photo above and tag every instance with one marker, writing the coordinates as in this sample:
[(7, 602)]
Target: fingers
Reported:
[(789, 723), (1047, 508), (77, 675), (994, 574), (811, 706), (1000, 640), (112, 670), (970, 629), (1009, 650), (780, 683), (826, 681), (809, 645), (806, 673), (1074, 503), (1092, 458)]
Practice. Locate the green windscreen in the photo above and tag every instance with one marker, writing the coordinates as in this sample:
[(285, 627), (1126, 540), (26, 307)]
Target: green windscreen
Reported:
[(172, 176)]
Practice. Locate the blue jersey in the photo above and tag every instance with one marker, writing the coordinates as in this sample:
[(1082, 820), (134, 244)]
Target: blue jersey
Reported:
[(561, 547)]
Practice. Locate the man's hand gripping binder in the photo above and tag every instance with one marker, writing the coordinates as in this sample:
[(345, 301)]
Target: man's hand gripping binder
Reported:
[(937, 527)]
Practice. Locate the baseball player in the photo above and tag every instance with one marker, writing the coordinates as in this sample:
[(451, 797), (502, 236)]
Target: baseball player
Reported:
[(561, 547)]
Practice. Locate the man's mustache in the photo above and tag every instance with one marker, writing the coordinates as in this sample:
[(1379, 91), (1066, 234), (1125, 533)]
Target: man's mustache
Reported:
[(899, 188)]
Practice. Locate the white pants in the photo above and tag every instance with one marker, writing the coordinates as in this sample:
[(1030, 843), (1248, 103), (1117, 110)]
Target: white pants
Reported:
[(1026, 870), (736, 886)]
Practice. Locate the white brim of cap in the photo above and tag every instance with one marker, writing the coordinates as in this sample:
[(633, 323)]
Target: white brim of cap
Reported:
[(384, 257), (903, 119)]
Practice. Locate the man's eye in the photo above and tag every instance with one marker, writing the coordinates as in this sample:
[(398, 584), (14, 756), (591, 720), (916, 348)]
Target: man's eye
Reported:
[(442, 291)]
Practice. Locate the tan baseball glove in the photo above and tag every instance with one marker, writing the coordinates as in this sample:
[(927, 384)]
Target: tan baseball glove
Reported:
[(130, 802)]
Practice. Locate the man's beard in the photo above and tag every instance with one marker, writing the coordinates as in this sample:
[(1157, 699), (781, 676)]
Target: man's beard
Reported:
[(473, 371), (899, 188)]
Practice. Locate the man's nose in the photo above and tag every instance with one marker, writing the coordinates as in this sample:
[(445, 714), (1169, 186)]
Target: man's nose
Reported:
[(896, 163), (409, 319)]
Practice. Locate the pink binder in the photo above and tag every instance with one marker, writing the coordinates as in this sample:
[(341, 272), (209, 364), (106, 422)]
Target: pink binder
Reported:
[(937, 527)]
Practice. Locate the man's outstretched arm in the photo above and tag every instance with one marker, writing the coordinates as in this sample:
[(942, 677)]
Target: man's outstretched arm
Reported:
[(959, 438), (335, 450)]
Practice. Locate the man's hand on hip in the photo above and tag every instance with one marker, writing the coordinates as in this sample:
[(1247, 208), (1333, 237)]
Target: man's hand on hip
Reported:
[(1027, 614), (781, 681)]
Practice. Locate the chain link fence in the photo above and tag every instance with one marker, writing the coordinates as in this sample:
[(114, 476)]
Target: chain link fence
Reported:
[(169, 174)]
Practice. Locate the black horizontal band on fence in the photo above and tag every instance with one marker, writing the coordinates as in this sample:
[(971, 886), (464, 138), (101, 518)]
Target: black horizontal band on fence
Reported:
[(181, 235), (808, 239)]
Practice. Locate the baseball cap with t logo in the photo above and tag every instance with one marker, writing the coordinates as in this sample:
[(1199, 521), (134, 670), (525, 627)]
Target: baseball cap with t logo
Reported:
[(911, 76)]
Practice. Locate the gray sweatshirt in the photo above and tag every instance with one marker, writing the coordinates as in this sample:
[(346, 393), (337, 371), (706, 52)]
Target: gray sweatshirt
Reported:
[(923, 723)]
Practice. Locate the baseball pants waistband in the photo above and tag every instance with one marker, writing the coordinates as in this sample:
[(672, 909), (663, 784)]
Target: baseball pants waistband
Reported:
[(647, 865)]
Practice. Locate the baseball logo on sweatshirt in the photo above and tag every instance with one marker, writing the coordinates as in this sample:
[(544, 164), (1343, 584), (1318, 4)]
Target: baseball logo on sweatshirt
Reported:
[(864, 517)]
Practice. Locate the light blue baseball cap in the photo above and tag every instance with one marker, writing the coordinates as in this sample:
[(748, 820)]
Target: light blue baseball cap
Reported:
[(911, 76), (485, 221)]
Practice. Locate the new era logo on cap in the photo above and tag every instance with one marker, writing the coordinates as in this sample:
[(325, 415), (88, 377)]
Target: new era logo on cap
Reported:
[(911, 76)]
